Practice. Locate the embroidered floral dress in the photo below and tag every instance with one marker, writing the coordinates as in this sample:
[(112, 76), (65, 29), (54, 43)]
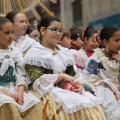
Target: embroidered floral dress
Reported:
[(43, 65), (100, 67), (12, 74)]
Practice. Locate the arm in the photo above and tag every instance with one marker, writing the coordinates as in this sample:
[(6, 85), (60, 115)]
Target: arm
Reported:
[(21, 82)]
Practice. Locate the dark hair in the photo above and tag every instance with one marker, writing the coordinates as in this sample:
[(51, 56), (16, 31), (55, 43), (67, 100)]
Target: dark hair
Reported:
[(3, 21), (46, 21), (75, 33), (30, 29), (11, 15), (89, 32), (107, 32)]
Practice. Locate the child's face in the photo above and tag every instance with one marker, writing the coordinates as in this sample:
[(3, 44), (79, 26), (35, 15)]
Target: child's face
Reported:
[(79, 43), (113, 44), (52, 34), (20, 24), (66, 42), (35, 35), (91, 43), (6, 35)]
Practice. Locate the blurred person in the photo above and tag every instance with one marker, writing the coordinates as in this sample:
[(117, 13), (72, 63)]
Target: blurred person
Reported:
[(76, 37), (91, 43), (33, 33)]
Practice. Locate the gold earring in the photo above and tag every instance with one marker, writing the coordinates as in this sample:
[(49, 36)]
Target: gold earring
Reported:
[(106, 49)]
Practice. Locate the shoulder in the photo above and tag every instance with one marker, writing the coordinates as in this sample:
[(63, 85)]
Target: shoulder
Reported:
[(63, 50), (26, 38)]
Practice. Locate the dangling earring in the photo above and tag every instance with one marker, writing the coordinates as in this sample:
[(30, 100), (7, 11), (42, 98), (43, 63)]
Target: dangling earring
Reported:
[(106, 49)]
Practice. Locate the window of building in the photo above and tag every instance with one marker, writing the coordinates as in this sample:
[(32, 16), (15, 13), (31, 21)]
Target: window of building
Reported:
[(77, 12)]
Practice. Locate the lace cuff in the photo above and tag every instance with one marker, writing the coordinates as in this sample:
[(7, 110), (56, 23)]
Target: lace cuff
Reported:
[(43, 84)]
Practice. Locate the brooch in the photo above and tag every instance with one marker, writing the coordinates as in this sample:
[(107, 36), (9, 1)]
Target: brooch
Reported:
[(7, 56)]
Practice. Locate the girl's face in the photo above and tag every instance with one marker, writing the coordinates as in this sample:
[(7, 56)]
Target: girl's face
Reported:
[(91, 43), (6, 35), (113, 44), (20, 24), (66, 42), (35, 35), (79, 43), (52, 34)]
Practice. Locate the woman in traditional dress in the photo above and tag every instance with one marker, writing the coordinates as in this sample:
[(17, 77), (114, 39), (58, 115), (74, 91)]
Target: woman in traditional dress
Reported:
[(16, 103), (50, 67)]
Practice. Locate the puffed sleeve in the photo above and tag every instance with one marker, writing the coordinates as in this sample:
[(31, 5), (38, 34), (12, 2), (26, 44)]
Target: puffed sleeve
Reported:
[(20, 74)]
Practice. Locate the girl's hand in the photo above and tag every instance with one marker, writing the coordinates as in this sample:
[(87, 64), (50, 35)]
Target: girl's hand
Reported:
[(78, 87), (68, 78), (19, 98), (78, 90), (65, 77), (20, 94)]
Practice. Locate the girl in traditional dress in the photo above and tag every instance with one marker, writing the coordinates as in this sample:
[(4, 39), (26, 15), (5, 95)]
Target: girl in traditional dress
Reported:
[(15, 103), (50, 66), (23, 43), (91, 43), (105, 64)]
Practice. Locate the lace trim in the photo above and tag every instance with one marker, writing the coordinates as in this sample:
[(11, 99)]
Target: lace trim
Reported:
[(43, 84), (29, 101), (48, 63), (109, 64), (86, 100), (112, 111)]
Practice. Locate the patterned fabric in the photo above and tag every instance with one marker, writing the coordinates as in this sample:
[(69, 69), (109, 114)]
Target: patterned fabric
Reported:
[(10, 112), (55, 112)]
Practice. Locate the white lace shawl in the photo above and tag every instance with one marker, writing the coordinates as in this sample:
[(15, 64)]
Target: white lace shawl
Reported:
[(24, 43), (112, 67), (8, 58), (70, 101), (41, 56)]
